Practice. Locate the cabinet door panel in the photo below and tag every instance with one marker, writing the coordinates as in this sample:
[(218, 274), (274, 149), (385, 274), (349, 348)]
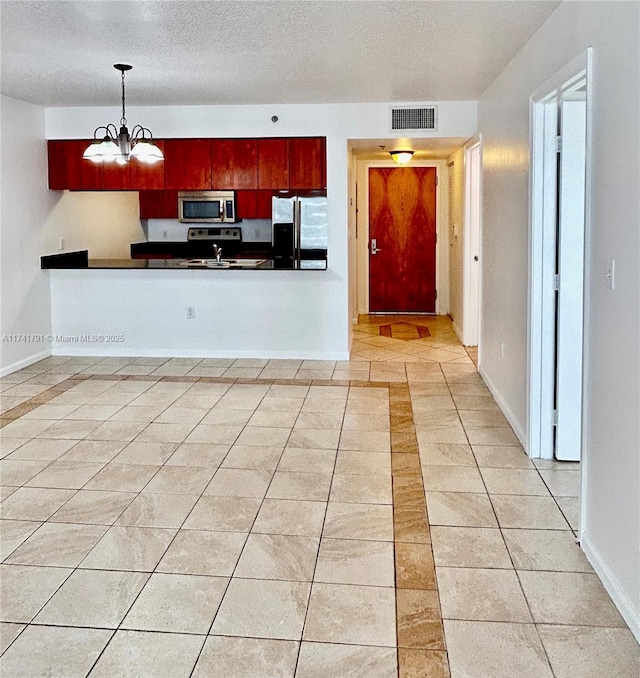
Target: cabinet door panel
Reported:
[(187, 164), (263, 204), (246, 204), (69, 170), (148, 177), (307, 162), (273, 163), (158, 204), (118, 177), (234, 163)]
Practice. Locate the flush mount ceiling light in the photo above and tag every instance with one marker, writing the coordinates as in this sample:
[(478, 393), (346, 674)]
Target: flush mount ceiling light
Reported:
[(109, 145), (401, 157)]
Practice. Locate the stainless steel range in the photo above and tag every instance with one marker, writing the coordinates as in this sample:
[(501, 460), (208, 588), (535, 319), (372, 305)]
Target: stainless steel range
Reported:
[(202, 240)]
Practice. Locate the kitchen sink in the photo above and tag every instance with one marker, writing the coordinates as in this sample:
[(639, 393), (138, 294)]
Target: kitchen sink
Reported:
[(224, 263)]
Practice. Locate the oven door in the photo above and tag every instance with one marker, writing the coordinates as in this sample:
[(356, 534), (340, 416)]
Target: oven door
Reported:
[(201, 210)]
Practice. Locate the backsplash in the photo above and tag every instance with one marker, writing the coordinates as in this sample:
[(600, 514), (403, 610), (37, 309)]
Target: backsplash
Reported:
[(253, 230)]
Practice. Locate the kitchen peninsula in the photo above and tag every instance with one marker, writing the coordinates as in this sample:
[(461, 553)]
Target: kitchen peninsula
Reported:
[(163, 306)]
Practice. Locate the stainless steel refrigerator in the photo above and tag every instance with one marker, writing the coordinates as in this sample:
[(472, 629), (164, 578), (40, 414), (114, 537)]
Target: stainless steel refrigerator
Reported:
[(300, 228)]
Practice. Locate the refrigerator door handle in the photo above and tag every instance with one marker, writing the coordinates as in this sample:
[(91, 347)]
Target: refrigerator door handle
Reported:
[(297, 227)]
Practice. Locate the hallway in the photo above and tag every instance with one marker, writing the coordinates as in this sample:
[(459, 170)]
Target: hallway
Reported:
[(371, 518)]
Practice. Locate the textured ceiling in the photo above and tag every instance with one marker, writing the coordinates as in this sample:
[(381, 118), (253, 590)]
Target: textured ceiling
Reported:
[(242, 52)]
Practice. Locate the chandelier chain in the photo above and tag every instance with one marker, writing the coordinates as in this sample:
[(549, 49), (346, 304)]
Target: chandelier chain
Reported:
[(123, 119)]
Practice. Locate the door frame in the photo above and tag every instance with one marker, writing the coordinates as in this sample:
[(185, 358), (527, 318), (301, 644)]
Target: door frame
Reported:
[(362, 243), (472, 244), (542, 253)]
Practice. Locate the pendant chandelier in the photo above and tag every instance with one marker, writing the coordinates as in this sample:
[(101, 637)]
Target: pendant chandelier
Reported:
[(110, 145)]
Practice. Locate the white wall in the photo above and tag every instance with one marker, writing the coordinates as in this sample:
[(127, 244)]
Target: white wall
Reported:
[(240, 314), (24, 236), (326, 300), (355, 121), (105, 223), (611, 534)]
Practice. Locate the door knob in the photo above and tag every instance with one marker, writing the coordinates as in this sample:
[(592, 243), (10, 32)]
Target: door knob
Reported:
[(374, 246)]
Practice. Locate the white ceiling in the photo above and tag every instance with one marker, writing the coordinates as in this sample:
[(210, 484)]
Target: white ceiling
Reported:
[(244, 51)]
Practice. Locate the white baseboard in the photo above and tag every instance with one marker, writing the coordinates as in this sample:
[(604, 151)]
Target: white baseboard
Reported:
[(113, 352), (626, 607), (506, 410), (25, 362)]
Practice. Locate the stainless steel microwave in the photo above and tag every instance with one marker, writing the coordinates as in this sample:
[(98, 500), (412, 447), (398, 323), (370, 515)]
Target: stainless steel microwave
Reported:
[(209, 207)]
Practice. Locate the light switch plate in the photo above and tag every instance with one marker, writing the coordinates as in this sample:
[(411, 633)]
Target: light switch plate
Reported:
[(611, 274)]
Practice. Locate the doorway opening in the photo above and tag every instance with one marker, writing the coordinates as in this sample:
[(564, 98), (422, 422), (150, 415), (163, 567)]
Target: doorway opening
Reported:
[(560, 143)]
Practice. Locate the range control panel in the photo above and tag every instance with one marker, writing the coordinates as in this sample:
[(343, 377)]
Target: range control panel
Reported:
[(220, 233)]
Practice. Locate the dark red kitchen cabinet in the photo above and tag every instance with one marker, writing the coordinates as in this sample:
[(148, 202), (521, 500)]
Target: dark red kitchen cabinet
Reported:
[(158, 204), (234, 163), (273, 163), (307, 163), (246, 204), (253, 204), (147, 177), (187, 164), (69, 170), (118, 177), (263, 204)]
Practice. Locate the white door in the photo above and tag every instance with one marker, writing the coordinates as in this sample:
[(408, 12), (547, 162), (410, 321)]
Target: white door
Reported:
[(570, 270)]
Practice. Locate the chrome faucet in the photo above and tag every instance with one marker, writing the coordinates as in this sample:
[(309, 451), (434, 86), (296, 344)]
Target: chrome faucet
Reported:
[(217, 252)]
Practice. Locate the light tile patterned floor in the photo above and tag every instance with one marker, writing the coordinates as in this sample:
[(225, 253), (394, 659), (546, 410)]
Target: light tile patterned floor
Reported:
[(269, 518)]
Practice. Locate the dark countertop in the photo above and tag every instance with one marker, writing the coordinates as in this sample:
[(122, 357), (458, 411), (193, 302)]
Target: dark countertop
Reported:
[(80, 260), (180, 265)]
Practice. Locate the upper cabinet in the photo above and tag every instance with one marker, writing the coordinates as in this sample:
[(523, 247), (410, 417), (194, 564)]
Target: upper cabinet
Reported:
[(134, 176), (234, 163), (307, 163), (197, 165), (68, 169), (187, 164), (273, 163)]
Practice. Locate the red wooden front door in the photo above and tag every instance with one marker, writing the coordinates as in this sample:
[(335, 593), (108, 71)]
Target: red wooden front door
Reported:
[(402, 222)]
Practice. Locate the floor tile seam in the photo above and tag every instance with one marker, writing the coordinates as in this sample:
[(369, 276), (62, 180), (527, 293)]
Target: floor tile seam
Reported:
[(82, 523), (555, 498), (154, 570), (53, 593), (171, 541), (324, 520), (486, 490), (235, 567)]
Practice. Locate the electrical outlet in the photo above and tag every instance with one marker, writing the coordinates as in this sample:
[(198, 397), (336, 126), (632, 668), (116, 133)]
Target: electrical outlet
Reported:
[(257, 234), (502, 349), (191, 312), (61, 244)]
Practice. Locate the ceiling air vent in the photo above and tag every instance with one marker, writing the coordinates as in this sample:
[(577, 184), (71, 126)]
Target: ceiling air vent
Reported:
[(414, 119)]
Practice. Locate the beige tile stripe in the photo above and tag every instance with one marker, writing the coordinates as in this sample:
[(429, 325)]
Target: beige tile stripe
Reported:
[(40, 399), (421, 646)]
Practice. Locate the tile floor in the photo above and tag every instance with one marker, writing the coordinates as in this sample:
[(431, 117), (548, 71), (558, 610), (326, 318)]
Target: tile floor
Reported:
[(246, 519)]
